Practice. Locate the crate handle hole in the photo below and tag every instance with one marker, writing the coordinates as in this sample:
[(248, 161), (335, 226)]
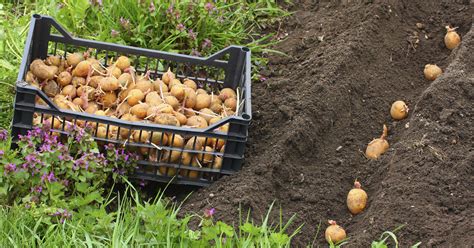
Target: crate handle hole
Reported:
[(36, 16), (245, 49), (246, 116)]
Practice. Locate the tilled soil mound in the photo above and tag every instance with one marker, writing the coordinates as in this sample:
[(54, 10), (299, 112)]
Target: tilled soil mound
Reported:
[(312, 119)]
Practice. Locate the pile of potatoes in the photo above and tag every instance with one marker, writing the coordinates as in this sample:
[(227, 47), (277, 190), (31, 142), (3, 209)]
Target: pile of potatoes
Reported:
[(81, 83)]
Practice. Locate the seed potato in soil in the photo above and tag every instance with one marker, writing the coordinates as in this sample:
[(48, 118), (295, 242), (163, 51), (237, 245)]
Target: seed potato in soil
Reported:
[(348, 61)]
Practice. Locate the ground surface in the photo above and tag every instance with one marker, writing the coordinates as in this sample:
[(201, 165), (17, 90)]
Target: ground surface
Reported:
[(348, 61)]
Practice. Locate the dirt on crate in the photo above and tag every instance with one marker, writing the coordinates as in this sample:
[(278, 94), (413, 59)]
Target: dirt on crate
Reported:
[(312, 119)]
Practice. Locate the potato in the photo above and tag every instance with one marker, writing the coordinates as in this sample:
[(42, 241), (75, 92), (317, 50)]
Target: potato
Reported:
[(214, 120), (174, 82), (70, 91), (217, 163), (53, 60), (123, 108), (189, 98), (153, 99), (356, 199), (135, 96), (78, 81), (95, 81), (230, 103), (157, 84), (181, 118), (124, 93), (216, 105), (165, 108), (97, 68), (200, 91), (41, 70), (141, 136), (145, 86), (202, 101), (194, 144), (74, 58), (168, 76), (227, 93), (125, 80), (30, 77), (51, 88), (166, 119), (92, 108), (176, 140), (159, 139), (78, 101), (216, 143), (197, 122), (186, 158), (85, 90), (334, 233), (109, 84), (122, 62), (82, 69), (140, 110), (207, 114), (172, 101), (169, 171), (109, 99), (114, 71), (177, 91), (64, 78), (152, 112), (191, 173), (190, 83), (204, 157)]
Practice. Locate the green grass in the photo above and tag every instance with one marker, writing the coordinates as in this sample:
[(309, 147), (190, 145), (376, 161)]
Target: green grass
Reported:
[(136, 223)]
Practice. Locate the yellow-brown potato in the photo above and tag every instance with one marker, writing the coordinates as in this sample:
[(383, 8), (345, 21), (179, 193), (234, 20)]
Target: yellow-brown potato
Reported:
[(177, 91), (204, 157), (432, 72), (181, 117), (377, 146), (197, 122), (109, 99), (41, 70), (166, 119), (190, 83), (64, 78), (189, 98), (70, 91), (82, 69), (168, 76), (202, 101), (124, 93), (30, 77), (217, 163), (96, 66), (91, 108), (51, 88), (207, 114), (194, 144), (125, 80), (159, 138), (109, 84), (78, 101), (114, 71), (172, 101), (159, 86), (356, 199), (141, 136), (214, 120), (74, 58), (334, 233), (95, 81), (152, 112), (122, 62), (135, 96), (78, 81), (186, 158), (176, 140), (230, 103), (216, 105), (153, 99), (53, 60), (140, 110), (145, 86), (227, 93), (174, 82), (81, 90), (200, 91), (123, 108), (165, 108)]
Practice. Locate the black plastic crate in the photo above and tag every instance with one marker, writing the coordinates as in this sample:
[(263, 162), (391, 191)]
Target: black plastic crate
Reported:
[(228, 68)]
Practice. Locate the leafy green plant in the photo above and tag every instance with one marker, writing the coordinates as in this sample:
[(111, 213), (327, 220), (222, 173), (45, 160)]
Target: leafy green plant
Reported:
[(55, 178), (386, 236)]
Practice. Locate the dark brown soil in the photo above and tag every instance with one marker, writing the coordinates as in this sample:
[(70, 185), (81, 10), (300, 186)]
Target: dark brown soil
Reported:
[(312, 119)]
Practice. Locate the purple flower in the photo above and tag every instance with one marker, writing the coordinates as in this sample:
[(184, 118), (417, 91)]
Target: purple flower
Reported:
[(50, 177), (120, 172), (209, 7), (125, 23), (152, 7), (206, 44), (170, 9), (10, 167), (142, 183), (96, 2), (114, 33), (195, 52), (109, 146), (180, 27), (65, 182), (1, 153), (262, 78), (192, 35), (37, 189), (3, 134), (81, 163), (208, 213)]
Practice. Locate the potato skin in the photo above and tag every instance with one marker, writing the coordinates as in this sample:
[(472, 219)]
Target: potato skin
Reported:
[(356, 200), (41, 70), (335, 233)]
